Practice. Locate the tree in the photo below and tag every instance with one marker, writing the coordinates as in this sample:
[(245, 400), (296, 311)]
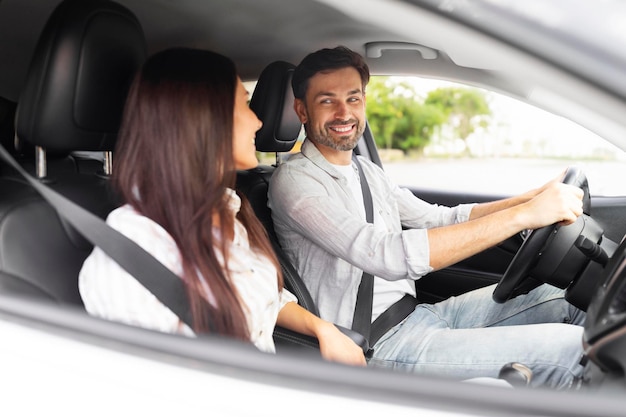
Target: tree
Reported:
[(397, 117), (465, 108), (401, 119), (383, 111)]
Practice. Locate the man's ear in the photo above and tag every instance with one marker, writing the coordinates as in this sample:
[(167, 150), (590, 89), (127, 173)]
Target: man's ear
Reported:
[(300, 108)]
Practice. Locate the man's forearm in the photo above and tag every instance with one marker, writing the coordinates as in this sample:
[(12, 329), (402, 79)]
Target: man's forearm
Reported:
[(451, 244), (483, 209)]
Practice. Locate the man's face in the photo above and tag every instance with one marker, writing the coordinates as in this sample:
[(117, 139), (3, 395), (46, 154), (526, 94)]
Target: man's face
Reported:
[(333, 109)]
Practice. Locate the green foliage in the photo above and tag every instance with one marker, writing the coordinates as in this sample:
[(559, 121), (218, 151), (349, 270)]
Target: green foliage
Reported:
[(401, 119), (397, 118), (462, 106)]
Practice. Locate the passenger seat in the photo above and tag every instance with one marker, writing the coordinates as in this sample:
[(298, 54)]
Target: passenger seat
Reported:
[(73, 100)]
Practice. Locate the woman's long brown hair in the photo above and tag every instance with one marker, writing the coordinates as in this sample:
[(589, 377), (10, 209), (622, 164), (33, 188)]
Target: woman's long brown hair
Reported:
[(173, 164)]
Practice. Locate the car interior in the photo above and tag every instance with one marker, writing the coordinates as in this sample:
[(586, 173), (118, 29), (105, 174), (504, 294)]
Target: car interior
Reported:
[(65, 138), (59, 118), (55, 116)]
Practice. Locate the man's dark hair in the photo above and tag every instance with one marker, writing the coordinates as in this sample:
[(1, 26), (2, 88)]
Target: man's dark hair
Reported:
[(324, 60)]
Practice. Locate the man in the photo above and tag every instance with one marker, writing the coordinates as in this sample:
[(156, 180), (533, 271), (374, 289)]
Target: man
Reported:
[(319, 216)]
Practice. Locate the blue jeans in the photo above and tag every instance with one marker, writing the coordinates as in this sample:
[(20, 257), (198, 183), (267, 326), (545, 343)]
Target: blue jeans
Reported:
[(471, 336)]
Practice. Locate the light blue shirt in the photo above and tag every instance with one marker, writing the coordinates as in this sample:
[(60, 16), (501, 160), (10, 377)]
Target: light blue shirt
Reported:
[(325, 234)]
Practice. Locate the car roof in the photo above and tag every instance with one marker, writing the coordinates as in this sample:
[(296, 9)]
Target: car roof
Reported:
[(542, 54), (252, 33)]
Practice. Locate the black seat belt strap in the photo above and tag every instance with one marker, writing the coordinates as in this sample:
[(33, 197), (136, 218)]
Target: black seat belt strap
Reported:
[(362, 319), (152, 274), (392, 316)]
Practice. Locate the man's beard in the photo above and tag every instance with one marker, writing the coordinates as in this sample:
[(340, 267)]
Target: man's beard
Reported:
[(345, 143)]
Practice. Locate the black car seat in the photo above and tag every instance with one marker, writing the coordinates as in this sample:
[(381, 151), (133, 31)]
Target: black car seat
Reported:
[(73, 100), (272, 101), (7, 126)]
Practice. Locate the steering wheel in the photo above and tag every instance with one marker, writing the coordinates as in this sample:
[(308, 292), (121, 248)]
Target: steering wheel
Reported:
[(510, 284)]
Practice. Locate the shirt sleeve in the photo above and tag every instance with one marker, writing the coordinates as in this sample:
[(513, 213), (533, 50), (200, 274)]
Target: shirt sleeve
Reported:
[(417, 213), (286, 297), (314, 213)]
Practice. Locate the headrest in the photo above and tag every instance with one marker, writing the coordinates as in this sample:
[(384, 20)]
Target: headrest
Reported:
[(272, 101), (7, 120), (79, 76)]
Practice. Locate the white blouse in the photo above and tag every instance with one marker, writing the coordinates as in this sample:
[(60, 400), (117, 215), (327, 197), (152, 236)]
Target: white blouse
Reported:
[(109, 292)]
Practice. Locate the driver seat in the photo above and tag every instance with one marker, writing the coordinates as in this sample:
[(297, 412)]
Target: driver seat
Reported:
[(272, 101)]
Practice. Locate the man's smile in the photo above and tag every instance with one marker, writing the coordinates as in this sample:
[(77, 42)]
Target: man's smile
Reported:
[(343, 128)]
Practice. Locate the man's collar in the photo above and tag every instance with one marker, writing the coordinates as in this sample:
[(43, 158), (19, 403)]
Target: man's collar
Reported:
[(310, 151)]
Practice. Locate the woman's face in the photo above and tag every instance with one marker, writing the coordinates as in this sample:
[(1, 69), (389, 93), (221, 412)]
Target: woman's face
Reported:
[(245, 127)]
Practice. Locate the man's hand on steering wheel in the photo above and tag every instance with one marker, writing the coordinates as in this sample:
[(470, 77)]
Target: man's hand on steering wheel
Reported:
[(556, 204)]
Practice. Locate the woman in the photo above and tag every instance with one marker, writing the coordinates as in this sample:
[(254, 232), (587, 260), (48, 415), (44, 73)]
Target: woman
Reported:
[(186, 129)]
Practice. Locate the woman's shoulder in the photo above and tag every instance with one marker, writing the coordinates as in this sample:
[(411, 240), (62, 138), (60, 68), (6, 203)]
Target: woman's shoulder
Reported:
[(126, 214), (138, 227)]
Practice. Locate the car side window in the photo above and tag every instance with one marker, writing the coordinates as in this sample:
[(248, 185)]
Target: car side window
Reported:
[(452, 137)]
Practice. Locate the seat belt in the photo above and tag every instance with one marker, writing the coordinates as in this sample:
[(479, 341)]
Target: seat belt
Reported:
[(362, 320), (145, 268)]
